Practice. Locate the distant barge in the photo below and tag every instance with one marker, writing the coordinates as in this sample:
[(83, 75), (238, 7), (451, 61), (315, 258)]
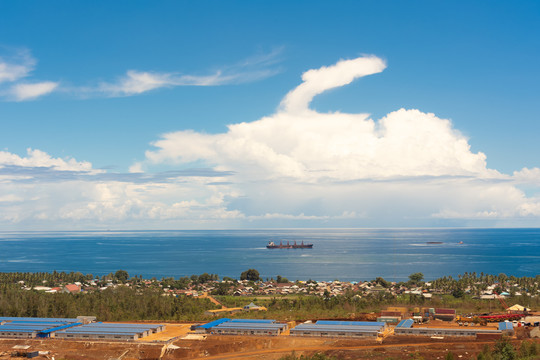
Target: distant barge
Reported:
[(272, 245)]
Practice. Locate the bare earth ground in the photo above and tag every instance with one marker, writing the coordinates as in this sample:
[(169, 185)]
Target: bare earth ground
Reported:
[(251, 347)]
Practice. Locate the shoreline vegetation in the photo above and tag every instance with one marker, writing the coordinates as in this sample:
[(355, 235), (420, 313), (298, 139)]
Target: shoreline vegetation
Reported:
[(119, 297)]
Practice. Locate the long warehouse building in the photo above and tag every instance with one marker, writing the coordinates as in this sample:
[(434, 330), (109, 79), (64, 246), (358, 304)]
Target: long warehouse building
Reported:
[(116, 331), (245, 327), (76, 328), (323, 328), (405, 328), (28, 328)]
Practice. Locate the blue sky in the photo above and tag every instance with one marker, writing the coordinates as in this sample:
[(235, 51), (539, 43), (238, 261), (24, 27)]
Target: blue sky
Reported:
[(126, 106)]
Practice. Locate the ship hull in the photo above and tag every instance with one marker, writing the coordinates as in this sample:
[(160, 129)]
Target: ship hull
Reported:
[(305, 246)]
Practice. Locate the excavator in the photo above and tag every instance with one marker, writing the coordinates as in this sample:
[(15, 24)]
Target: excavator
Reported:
[(466, 320)]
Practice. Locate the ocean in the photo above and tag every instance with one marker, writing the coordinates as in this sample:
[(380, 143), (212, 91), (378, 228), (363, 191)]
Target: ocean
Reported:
[(342, 254)]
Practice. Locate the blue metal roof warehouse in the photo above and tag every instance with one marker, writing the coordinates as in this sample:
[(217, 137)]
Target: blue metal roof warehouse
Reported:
[(352, 323), (31, 319), (339, 329), (19, 327), (110, 331), (244, 327), (32, 327)]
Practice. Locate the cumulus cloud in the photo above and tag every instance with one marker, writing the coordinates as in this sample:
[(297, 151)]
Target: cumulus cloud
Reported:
[(38, 158), (527, 175), (317, 147), (296, 167), (300, 143), (298, 163)]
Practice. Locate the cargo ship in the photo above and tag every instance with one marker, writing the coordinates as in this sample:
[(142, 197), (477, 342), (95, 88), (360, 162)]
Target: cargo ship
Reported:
[(272, 245)]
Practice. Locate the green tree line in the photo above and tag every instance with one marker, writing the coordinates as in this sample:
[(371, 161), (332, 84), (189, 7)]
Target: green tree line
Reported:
[(118, 304)]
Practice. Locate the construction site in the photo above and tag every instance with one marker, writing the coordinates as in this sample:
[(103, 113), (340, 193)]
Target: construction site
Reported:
[(427, 331)]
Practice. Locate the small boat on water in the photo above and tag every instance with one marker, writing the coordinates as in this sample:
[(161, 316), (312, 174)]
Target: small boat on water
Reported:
[(272, 245), (434, 242)]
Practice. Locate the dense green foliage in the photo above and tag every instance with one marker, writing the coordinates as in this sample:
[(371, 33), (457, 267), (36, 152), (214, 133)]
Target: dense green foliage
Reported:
[(504, 350), (250, 275), (476, 283), (48, 279), (416, 277), (118, 304), (119, 297), (121, 275), (281, 280)]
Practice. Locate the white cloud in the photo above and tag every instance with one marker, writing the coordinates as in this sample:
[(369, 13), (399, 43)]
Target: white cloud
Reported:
[(406, 168), (137, 82), (305, 145), (136, 168), (89, 204), (10, 198), (38, 158), (526, 175), (296, 167), (317, 81), (531, 207), (16, 66), (19, 64), (22, 92), (315, 147), (40, 191), (13, 68)]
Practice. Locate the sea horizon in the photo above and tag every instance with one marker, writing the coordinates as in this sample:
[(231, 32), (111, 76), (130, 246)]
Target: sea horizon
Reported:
[(346, 254)]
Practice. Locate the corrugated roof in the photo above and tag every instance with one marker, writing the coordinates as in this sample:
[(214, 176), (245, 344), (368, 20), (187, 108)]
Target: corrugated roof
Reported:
[(407, 323), (262, 321), (254, 326), (22, 322), (18, 330), (127, 325), (352, 323), (213, 323), (48, 331), (101, 331), (355, 330), (12, 318), (35, 327), (316, 327)]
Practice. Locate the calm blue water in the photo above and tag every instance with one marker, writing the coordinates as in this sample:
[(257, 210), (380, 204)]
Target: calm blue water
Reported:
[(344, 254)]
